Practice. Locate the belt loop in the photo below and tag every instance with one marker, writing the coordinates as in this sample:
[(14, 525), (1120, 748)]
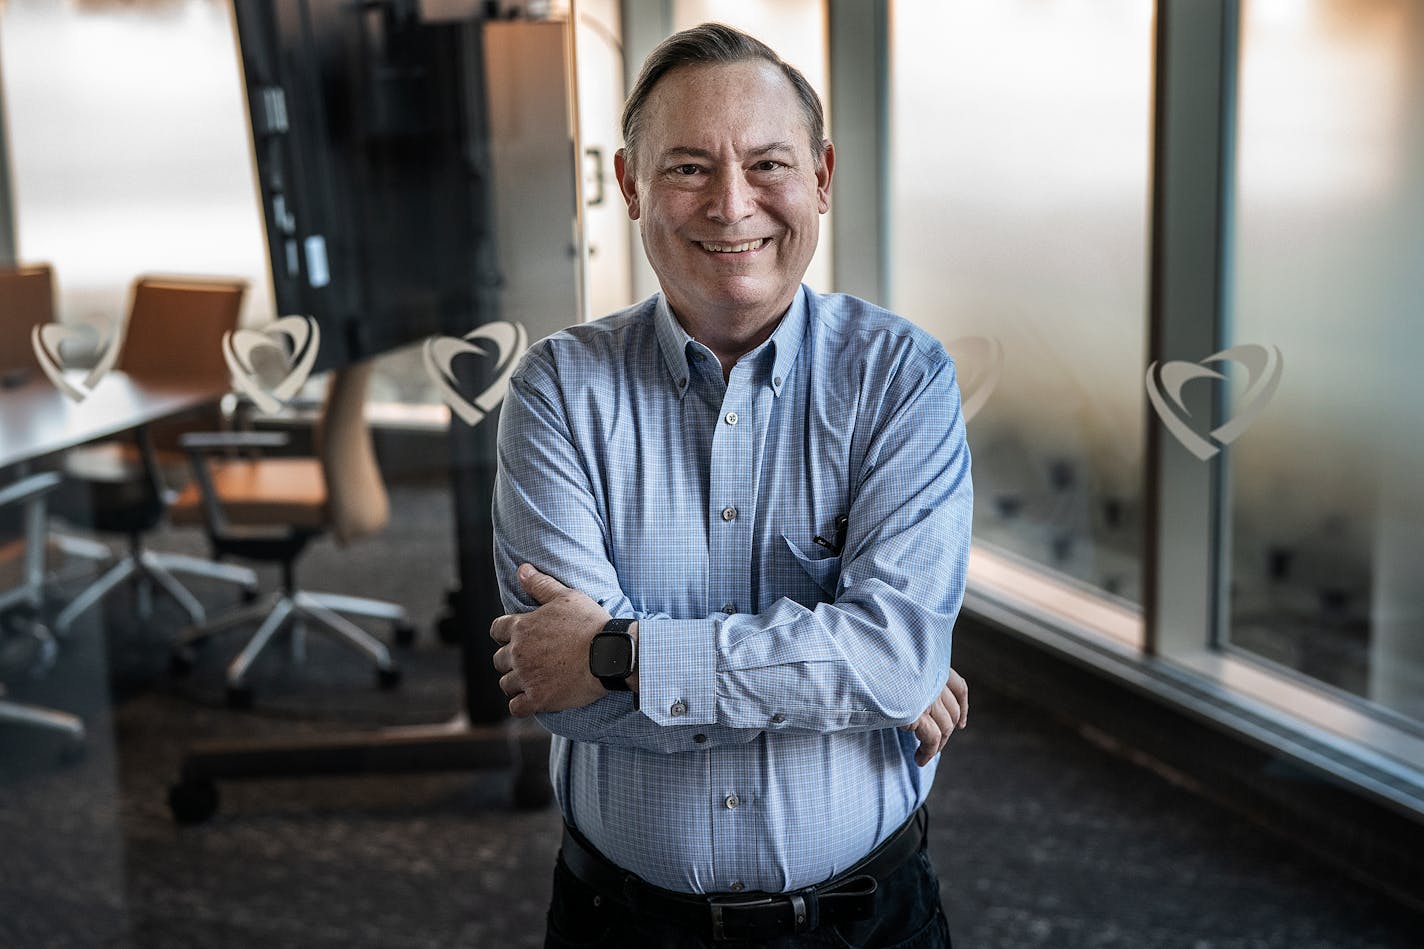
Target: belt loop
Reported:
[(806, 904)]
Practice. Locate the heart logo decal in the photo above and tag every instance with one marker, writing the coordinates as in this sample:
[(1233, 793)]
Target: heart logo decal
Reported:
[(507, 340), (1264, 364), (978, 364), (49, 343), (294, 339)]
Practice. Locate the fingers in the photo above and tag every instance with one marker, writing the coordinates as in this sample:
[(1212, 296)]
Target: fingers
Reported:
[(929, 734), (500, 629), (960, 689), (540, 586), (511, 684), (945, 713)]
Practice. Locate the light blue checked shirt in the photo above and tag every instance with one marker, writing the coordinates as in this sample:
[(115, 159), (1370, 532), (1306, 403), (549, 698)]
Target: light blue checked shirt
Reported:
[(774, 674)]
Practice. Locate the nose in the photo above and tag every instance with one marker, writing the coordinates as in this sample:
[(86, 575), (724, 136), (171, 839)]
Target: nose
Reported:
[(731, 198)]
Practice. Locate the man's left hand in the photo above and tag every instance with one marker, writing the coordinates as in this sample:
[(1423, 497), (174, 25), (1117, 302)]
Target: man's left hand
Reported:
[(543, 655), (948, 712)]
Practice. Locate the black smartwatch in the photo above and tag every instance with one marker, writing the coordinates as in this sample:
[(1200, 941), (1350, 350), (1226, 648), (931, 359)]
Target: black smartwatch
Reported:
[(612, 656)]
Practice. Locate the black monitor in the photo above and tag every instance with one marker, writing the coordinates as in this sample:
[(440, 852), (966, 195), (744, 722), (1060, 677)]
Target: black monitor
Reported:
[(369, 128)]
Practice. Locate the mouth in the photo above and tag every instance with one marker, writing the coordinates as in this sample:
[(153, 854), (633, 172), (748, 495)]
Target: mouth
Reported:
[(743, 247)]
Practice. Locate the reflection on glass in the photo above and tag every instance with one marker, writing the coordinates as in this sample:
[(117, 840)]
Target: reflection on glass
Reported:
[(1327, 501), (1019, 207)]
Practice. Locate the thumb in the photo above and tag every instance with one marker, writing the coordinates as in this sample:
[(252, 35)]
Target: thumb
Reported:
[(540, 586)]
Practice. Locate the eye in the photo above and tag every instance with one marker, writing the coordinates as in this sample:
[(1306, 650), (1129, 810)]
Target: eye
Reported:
[(685, 171), (768, 164)]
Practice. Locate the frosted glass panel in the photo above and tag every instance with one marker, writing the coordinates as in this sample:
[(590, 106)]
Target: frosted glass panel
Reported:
[(129, 149), (1328, 513), (1019, 191)]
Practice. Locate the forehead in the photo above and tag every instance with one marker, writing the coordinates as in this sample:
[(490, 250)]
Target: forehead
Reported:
[(746, 104)]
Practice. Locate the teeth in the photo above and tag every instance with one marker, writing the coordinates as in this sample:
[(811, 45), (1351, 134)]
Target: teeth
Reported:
[(732, 248)]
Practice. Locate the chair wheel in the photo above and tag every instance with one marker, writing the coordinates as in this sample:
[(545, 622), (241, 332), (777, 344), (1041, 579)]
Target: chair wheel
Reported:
[(388, 678), (180, 660), (404, 634), (193, 802), (239, 696)]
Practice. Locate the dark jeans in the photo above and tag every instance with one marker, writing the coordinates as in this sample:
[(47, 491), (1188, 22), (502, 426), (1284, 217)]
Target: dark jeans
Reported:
[(908, 915)]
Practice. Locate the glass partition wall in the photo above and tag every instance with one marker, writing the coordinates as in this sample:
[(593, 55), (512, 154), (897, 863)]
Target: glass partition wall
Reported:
[(1018, 187), (1088, 202), (1326, 499)]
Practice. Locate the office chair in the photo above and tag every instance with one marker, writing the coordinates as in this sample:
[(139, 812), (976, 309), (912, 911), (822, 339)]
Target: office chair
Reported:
[(174, 332), (26, 301), (22, 596), (269, 508)]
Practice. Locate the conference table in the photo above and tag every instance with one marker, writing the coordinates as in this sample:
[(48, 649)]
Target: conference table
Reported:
[(37, 419)]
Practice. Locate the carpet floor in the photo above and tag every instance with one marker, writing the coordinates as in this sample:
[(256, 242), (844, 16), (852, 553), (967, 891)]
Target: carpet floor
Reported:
[(1043, 836)]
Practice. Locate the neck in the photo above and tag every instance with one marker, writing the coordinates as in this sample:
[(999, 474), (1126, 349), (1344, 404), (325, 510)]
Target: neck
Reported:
[(731, 336)]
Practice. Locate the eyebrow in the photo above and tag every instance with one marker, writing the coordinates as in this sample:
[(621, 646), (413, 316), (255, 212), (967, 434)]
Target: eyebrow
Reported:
[(689, 151)]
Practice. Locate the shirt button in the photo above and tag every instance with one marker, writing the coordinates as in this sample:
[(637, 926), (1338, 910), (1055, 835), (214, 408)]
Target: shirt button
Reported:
[(678, 709), (776, 381), (729, 513), (738, 887), (731, 418), (732, 802), (729, 608), (700, 739), (778, 718)]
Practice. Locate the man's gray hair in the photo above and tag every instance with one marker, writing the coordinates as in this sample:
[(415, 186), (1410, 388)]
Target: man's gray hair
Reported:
[(715, 44)]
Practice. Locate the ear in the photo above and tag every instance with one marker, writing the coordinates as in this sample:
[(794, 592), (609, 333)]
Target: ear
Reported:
[(627, 183), (824, 169)]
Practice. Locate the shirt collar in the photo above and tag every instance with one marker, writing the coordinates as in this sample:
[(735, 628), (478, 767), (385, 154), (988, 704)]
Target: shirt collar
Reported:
[(785, 340)]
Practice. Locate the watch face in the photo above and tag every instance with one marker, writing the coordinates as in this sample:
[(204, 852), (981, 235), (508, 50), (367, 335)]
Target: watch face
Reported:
[(611, 654)]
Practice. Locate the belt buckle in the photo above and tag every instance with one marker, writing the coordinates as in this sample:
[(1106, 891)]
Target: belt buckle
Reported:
[(720, 904)]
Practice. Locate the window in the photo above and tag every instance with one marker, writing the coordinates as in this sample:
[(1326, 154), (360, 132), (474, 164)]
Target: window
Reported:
[(1326, 501), (1019, 162)]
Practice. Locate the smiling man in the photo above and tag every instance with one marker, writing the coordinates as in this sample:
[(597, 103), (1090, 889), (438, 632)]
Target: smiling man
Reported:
[(748, 504)]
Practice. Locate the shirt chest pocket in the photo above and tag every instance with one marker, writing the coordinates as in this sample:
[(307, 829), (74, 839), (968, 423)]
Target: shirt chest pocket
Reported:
[(823, 569)]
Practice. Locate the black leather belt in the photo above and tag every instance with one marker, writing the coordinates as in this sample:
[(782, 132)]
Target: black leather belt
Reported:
[(846, 897)]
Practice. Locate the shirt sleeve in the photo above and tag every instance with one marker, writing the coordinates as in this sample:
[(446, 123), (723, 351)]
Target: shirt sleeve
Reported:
[(877, 655), (874, 657), (546, 513)]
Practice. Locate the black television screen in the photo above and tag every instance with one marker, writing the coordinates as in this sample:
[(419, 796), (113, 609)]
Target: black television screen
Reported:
[(371, 144)]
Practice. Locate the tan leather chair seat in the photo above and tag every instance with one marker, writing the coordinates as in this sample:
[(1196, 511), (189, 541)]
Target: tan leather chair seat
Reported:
[(273, 491)]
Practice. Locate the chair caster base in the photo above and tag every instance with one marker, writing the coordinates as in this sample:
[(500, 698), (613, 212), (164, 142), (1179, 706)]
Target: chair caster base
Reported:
[(250, 594), (388, 679), (193, 802), (240, 696), (404, 634)]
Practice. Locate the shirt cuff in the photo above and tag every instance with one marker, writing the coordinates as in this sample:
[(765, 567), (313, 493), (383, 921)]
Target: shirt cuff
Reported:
[(677, 671)]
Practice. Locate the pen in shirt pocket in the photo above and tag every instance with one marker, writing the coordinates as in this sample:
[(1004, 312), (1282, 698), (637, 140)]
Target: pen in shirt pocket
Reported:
[(839, 544)]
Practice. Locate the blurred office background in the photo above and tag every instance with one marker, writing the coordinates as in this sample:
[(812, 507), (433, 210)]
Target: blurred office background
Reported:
[(1202, 681)]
